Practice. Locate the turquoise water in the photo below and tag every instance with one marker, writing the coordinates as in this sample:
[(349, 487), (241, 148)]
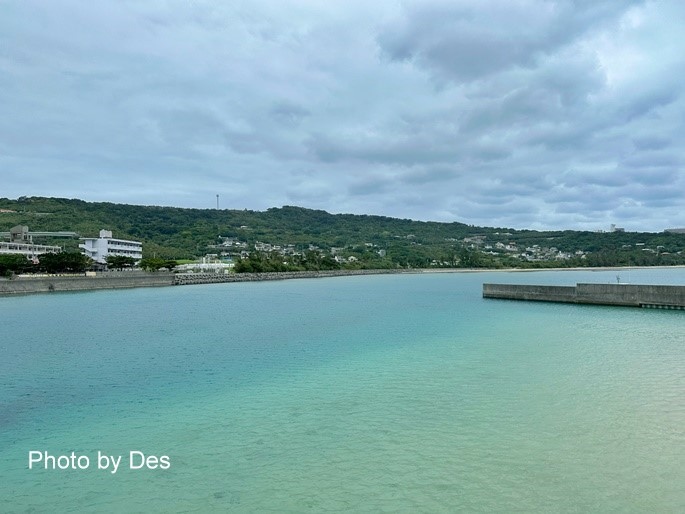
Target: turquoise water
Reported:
[(400, 393)]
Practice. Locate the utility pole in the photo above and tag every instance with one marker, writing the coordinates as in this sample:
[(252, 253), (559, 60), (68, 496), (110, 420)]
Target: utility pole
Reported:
[(217, 202)]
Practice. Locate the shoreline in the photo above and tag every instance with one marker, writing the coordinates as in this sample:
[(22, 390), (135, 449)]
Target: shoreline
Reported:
[(530, 270), (26, 284)]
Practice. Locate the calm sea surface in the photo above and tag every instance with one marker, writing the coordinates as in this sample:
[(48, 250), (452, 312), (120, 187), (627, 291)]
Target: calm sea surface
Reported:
[(398, 393)]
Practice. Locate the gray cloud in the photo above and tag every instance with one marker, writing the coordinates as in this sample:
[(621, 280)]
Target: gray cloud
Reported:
[(429, 176), (541, 114), (288, 113), (464, 41)]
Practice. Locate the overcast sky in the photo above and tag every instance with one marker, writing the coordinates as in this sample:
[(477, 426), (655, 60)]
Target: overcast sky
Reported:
[(510, 113)]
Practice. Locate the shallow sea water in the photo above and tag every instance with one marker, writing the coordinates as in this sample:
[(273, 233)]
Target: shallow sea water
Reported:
[(398, 393)]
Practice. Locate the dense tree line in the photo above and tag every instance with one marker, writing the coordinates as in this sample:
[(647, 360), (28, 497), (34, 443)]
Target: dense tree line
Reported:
[(11, 264), (65, 262), (69, 262)]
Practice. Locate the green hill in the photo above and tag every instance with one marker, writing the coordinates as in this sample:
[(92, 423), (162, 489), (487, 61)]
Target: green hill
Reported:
[(375, 241)]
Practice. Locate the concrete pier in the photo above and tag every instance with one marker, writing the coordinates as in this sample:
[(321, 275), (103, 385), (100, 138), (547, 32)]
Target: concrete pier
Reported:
[(627, 295)]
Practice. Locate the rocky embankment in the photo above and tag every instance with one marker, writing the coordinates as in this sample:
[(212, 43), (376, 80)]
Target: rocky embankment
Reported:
[(213, 278)]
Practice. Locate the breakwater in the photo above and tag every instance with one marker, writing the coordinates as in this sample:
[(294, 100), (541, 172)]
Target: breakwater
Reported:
[(628, 295), (213, 278)]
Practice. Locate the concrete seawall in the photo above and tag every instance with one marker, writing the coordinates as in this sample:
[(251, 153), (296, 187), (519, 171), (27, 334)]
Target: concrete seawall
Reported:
[(47, 284), (628, 295), (119, 280)]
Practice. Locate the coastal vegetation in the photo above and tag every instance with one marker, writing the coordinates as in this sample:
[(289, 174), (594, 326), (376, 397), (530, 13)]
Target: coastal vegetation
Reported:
[(73, 262), (120, 262), (293, 238), (64, 262), (14, 263)]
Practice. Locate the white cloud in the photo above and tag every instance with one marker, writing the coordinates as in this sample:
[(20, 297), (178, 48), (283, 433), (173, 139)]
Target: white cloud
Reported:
[(525, 113)]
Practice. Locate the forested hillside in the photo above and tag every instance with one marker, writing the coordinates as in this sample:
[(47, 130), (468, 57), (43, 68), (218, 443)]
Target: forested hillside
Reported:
[(177, 233)]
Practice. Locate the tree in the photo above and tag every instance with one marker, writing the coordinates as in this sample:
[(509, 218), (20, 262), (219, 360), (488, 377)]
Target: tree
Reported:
[(155, 264), (64, 262), (120, 261), (470, 258), (14, 263)]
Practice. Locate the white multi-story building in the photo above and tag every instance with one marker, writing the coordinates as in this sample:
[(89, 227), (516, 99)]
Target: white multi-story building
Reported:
[(22, 243), (30, 250), (99, 248)]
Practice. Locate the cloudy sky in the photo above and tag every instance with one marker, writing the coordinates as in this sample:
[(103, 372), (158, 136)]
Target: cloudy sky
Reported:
[(517, 113)]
